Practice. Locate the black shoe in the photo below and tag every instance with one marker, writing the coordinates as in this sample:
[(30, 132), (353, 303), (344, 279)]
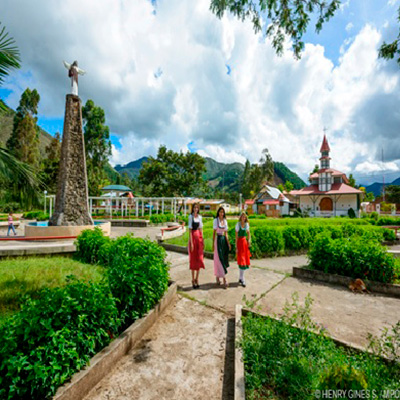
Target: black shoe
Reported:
[(243, 284), (197, 286)]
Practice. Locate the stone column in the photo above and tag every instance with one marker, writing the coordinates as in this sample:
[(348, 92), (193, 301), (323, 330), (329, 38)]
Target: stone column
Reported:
[(72, 206)]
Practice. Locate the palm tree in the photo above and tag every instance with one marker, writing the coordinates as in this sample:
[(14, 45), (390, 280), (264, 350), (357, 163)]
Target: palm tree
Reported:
[(23, 180)]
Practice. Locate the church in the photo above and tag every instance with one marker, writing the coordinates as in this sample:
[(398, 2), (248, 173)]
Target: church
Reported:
[(329, 194)]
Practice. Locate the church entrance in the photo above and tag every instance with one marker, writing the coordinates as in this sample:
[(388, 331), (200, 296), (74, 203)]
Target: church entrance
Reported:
[(326, 204)]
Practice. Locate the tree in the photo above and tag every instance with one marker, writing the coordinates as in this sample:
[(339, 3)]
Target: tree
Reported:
[(392, 193), (390, 50), (24, 139), (352, 181), (282, 17), (267, 165), (20, 180), (17, 176), (97, 146), (172, 174), (289, 186), (316, 169), (51, 163), (9, 57), (281, 187), (245, 186)]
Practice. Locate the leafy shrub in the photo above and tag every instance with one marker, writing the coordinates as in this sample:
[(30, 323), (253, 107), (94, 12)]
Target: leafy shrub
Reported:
[(388, 221), (357, 257), (53, 337), (344, 377), (161, 218), (374, 215), (10, 207), (38, 215), (93, 247), (269, 241), (137, 275), (351, 213)]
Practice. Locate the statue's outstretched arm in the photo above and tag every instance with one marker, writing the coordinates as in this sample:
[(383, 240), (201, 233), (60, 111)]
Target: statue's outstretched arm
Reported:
[(66, 65)]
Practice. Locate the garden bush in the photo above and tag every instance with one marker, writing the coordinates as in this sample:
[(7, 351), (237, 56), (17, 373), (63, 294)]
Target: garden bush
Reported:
[(137, 274), (356, 257), (269, 241), (10, 207), (351, 213), (54, 336), (161, 218), (93, 247), (38, 215)]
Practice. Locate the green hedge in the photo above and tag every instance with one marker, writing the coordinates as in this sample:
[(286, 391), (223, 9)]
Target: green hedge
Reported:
[(161, 218), (357, 256), (57, 332), (138, 275), (280, 240), (38, 215)]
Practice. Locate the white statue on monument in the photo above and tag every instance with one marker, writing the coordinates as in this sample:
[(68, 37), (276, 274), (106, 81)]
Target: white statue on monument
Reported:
[(73, 72)]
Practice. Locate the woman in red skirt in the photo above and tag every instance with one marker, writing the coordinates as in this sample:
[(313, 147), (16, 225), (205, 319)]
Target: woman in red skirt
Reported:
[(243, 242), (196, 244)]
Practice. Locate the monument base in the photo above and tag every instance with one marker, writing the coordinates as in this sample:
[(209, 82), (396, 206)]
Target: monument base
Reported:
[(63, 231)]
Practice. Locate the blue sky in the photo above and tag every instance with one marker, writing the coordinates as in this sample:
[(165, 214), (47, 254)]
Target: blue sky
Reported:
[(185, 79)]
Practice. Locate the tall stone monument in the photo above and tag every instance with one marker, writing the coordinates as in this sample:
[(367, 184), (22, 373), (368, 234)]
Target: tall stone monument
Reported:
[(72, 206)]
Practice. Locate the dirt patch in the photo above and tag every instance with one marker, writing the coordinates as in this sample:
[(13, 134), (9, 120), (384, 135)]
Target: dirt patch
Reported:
[(183, 356)]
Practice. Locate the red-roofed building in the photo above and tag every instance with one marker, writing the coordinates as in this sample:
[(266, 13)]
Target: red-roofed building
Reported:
[(329, 193)]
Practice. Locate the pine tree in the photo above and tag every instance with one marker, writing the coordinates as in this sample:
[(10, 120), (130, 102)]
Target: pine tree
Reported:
[(97, 145), (24, 140)]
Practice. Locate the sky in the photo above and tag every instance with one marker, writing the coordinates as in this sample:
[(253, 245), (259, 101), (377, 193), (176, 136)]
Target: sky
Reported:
[(172, 73)]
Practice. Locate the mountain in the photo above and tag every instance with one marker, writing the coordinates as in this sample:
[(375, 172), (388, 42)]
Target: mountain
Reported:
[(220, 175), (6, 126), (132, 168), (223, 175), (285, 174), (376, 188)]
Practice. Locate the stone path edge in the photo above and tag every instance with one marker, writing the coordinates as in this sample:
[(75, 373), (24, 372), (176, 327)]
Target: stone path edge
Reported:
[(101, 364), (375, 287)]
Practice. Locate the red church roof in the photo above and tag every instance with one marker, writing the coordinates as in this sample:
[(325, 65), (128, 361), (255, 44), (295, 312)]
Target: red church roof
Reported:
[(337, 188), (325, 145)]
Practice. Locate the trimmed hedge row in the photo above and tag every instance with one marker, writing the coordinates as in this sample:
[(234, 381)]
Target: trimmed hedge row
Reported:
[(356, 256), (57, 332), (281, 240)]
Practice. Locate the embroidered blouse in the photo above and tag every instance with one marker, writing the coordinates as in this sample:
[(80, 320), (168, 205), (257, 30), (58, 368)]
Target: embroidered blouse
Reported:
[(195, 222)]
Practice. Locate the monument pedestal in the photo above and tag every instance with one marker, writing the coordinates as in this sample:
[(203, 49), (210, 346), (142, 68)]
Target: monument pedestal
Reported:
[(72, 205)]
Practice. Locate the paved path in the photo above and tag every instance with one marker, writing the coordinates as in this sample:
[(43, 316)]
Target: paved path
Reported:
[(347, 316), (183, 356)]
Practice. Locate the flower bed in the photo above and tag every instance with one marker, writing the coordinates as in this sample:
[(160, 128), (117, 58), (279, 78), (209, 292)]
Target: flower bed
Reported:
[(55, 334)]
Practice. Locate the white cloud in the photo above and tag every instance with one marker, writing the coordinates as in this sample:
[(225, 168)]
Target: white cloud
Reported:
[(349, 27), (392, 2), (368, 167), (162, 79)]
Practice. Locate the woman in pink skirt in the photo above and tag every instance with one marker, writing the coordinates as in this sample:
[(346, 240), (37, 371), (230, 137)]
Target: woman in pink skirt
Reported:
[(196, 244), (221, 247)]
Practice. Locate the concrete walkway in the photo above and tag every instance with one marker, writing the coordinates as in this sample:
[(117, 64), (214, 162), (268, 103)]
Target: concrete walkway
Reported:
[(187, 354), (346, 315)]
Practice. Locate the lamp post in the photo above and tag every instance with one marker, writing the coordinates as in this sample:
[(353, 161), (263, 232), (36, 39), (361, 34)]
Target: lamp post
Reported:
[(45, 194), (240, 201)]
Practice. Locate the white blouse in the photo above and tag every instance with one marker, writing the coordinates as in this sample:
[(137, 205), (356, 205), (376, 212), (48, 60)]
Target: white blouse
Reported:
[(218, 224), (192, 219), (239, 225)]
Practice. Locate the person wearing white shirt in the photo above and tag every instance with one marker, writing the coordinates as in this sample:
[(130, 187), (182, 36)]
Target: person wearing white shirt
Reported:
[(221, 247), (243, 242)]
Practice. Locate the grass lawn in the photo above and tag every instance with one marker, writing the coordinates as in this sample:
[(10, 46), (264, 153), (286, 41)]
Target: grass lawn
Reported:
[(23, 276)]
